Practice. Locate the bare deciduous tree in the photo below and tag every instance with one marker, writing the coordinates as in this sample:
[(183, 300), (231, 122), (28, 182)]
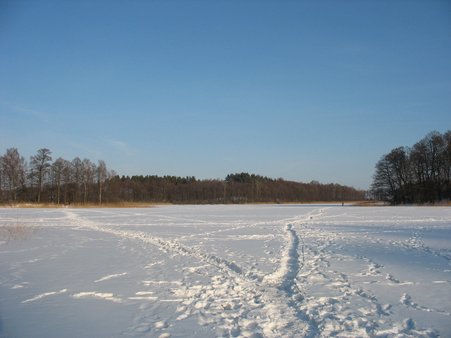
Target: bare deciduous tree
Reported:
[(40, 164), (13, 168), (88, 173), (67, 178), (57, 176), (420, 174), (102, 175), (77, 177)]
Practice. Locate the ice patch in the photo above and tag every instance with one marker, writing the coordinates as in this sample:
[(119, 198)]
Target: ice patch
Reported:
[(143, 298), (110, 277), (160, 282), (143, 295), (98, 295), (19, 286), (43, 295)]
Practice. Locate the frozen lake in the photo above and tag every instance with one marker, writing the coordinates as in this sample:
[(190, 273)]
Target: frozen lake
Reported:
[(212, 271)]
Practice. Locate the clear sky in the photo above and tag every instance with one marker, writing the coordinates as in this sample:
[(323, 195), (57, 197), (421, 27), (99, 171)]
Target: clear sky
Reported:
[(304, 90)]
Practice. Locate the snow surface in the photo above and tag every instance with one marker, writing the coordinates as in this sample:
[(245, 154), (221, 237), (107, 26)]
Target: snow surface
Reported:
[(212, 271)]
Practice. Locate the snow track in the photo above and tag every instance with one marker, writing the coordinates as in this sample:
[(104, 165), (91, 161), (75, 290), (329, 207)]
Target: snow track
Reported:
[(289, 264), (237, 301), (168, 246), (247, 271), (244, 303)]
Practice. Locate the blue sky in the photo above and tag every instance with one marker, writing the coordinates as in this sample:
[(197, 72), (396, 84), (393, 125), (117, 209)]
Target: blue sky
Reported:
[(304, 90)]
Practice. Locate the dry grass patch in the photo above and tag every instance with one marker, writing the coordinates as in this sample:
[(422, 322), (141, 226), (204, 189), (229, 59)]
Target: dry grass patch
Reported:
[(113, 205), (369, 203), (10, 232), (83, 205)]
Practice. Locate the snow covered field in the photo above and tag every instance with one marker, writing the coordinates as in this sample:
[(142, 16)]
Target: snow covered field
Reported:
[(208, 271)]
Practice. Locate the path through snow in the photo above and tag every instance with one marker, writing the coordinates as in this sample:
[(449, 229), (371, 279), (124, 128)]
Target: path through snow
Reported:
[(249, 271)]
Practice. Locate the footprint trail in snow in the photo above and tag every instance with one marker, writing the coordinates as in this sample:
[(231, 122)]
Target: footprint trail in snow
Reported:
[(237, 271)]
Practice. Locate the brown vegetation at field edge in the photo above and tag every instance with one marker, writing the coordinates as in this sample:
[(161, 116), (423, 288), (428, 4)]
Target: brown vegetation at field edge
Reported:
[(82, 205)]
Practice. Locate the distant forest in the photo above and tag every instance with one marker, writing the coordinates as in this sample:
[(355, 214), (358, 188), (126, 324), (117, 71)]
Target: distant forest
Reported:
[(42, 180), (420, 174)]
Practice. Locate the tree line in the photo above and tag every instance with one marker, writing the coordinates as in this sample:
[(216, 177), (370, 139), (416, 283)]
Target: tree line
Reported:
[(418, 174), (235, 188), (43, 181), (83, 181)]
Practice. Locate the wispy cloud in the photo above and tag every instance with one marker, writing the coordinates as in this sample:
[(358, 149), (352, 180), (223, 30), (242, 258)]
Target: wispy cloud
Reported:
[(122, 147), (24, 110), (101, 148)]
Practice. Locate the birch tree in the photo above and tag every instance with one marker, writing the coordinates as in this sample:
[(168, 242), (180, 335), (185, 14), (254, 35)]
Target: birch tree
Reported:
[(102, 174)]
